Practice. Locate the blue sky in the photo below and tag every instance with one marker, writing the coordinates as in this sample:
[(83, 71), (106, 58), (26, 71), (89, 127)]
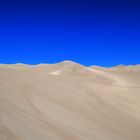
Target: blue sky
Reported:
[(101, 32)]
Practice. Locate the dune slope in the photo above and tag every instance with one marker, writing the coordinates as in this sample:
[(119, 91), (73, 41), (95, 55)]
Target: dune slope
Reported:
[(68, 101)]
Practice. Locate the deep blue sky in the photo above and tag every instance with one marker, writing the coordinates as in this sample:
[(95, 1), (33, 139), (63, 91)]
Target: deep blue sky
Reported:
[(90, 32)]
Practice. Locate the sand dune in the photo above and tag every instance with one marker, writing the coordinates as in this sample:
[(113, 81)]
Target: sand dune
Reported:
[(68, 101)]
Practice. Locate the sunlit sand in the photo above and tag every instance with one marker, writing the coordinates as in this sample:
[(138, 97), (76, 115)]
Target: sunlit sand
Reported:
[(68, 101)]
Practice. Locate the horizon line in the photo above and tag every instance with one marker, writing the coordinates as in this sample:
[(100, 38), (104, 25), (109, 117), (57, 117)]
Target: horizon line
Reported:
[(68, 61)]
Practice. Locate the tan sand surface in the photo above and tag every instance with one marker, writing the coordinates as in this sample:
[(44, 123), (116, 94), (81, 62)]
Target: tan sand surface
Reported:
[(68, 101)]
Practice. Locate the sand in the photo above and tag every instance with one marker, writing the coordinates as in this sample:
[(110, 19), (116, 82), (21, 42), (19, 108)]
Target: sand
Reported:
[(68, 101)]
